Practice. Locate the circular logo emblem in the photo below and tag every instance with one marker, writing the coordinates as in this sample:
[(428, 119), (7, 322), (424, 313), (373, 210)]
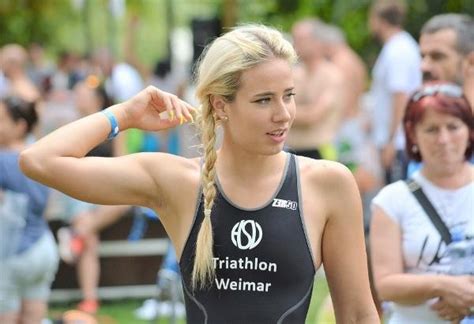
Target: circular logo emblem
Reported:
[(246, 234)]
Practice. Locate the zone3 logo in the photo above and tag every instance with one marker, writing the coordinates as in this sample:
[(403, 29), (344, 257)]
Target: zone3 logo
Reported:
[(288, 204), (246, 234)]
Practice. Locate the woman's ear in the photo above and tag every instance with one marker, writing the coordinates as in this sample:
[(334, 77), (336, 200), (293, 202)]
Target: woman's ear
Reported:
[(218, 104)]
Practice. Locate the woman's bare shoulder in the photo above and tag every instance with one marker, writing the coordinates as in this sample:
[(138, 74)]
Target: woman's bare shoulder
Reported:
[(175, 179), (170, 171), (169, 162), (324, 172)]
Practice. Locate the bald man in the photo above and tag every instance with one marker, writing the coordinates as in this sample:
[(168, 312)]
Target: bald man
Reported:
[(319, 97), (13, 60)]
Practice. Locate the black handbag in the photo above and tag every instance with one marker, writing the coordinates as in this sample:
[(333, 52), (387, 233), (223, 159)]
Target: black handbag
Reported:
[(416, 190)]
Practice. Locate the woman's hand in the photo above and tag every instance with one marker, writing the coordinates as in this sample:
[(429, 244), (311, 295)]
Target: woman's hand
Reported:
[(457, 297), (447, 312), (57, 160), (153, 110)]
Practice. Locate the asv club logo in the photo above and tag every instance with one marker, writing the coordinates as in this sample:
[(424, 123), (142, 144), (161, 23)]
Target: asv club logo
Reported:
[(246, 234)]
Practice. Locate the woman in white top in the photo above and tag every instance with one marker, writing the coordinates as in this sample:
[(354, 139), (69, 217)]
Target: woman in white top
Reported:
[(405, 245)]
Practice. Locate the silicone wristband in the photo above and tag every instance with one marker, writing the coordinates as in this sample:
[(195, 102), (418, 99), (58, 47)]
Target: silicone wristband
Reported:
[(113, 124)]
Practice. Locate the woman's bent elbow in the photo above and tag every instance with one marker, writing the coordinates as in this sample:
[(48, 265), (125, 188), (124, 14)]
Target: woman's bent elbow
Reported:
[(29, 164)]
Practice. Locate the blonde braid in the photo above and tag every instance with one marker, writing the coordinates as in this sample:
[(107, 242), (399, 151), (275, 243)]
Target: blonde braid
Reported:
[(220, 68), (203, 270)]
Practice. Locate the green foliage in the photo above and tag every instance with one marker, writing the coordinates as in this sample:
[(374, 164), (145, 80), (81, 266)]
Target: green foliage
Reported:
[(350, 15), (58, 25), (28, 20)]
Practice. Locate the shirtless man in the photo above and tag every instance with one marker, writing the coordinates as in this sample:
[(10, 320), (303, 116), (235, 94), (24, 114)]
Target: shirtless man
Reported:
[(350, 64), (13, 60), (319, 95)]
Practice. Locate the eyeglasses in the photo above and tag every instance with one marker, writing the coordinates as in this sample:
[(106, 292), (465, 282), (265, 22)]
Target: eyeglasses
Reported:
[(450, 90)]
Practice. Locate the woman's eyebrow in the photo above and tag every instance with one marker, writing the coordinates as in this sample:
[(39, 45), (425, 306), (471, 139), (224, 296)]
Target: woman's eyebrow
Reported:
[(270, 93)]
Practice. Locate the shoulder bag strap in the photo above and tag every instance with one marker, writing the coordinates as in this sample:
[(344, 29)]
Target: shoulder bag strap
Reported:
[(429, 209)]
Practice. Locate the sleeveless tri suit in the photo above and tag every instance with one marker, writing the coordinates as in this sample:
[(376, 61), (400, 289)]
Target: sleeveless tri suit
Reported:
[(264, 266)]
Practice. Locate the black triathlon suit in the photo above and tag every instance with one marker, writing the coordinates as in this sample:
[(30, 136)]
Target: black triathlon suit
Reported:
[(264, 266)]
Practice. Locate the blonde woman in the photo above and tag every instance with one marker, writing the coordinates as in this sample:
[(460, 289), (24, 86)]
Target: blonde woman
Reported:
[(251, 223)]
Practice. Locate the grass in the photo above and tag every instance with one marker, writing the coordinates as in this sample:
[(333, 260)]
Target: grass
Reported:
[(112, 312), (122, 312)]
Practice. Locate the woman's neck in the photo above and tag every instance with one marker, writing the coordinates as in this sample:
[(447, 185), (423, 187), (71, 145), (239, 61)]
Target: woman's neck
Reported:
[(248, 166), (450, 178)]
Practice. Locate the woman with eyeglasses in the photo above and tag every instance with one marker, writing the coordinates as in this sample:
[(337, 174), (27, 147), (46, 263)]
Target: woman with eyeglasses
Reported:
[(28, 255), (409, 250)]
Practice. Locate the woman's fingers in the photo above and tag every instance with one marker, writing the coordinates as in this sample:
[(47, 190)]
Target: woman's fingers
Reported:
[(178, 107), (160, 100), (449, 313), (182, 111), (446, 311), (189, 111), (171, 107)]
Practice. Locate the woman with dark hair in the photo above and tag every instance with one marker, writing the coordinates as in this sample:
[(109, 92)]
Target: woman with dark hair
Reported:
[(28, 256), (407, 247)]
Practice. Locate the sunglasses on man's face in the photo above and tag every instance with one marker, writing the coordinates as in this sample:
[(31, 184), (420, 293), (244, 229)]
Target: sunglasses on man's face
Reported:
[(449, 90)]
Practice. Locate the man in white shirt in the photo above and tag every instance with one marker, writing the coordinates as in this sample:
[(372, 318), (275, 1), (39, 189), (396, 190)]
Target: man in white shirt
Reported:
[(123, 80), (395, 76)]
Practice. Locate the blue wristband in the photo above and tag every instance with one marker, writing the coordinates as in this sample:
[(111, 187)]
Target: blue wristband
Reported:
[(113, 124)]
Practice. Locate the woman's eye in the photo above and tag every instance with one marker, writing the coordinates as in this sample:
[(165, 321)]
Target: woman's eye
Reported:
[(431, 129), (453, 127), (263, 100)]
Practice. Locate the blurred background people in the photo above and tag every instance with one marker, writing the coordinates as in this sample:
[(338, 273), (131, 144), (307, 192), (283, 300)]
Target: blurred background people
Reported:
[(162, 75), (122, 80), (66, 74), (354, 147), (39, 68), (349, 63), (395, 75), (28, 258), (13, 63), (447, 50), (319, 101), (79, 243), (407, 249)]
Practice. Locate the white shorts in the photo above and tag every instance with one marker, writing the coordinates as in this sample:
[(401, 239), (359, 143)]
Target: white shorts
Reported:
[(29, 275)]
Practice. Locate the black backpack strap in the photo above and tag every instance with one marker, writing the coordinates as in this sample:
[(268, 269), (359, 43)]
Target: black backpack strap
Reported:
[(429, 209)]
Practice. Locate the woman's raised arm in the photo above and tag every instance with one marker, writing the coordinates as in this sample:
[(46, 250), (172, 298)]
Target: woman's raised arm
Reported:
[(58, 160)]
